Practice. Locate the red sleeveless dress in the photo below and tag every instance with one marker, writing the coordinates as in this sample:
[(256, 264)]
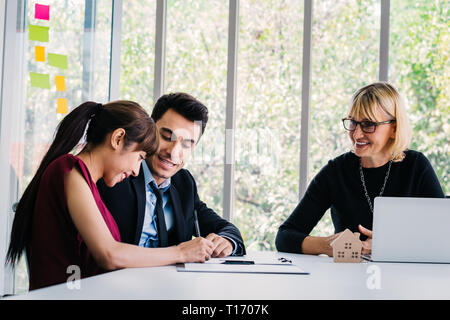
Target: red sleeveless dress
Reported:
[(55, 242)]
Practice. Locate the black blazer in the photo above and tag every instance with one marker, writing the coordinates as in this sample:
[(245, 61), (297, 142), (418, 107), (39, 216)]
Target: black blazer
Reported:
[(126, 202)]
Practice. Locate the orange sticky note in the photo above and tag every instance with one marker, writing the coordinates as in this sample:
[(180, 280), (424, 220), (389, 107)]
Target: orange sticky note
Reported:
[(39, 53), (60, 82), (61, 105)]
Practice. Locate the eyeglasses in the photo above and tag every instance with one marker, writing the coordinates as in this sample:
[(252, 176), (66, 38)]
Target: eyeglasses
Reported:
[(366, 126)]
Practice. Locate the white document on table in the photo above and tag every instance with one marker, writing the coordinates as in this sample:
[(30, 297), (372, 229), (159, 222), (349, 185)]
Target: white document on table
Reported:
[(241, 268), (269, 261)]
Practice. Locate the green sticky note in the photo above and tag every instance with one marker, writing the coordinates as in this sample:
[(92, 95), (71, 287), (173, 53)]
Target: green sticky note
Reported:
[(40, 80), (38, 33), (57, 60)]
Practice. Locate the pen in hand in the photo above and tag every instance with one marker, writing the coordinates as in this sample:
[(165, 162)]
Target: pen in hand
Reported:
[(197, 227)]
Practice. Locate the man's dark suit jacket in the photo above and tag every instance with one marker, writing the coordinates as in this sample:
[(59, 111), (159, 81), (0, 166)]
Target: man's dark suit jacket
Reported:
[(126, 202)]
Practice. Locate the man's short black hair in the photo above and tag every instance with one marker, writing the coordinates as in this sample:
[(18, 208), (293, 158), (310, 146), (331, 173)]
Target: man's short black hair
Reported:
[(184, 104)]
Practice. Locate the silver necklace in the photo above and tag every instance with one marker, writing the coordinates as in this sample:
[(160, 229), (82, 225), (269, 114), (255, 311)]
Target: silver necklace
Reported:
[(364, 183)]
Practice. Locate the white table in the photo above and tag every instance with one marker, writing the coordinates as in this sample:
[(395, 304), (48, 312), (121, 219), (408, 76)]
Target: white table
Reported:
[(327, 280)]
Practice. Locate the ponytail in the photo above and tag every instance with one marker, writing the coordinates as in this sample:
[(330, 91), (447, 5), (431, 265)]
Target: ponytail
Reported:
[(139, 128), (69, 132)]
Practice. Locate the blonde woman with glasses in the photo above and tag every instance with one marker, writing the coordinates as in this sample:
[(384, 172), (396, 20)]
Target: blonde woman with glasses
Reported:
[(379, 164)]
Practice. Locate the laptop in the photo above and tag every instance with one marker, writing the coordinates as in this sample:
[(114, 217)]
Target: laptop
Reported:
[(411, 230)]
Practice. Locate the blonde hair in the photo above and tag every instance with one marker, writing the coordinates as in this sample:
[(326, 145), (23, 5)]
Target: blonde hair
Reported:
[(382, 96)]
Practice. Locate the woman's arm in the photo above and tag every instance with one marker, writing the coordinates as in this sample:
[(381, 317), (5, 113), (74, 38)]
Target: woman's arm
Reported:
[(319, 245), (293, 235), (111, 254)]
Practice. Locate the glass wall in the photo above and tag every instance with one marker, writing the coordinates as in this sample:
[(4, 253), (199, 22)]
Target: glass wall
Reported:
[(345, 49), (66, 62), (138, 51), (268, 109), (196, 55), (419, 67)]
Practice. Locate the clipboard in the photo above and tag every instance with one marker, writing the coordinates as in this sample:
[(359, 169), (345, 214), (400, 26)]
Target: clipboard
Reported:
[(245, 261), (266, 266)]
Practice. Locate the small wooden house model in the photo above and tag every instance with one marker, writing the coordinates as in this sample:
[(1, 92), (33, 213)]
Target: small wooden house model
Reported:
[(347, 247)]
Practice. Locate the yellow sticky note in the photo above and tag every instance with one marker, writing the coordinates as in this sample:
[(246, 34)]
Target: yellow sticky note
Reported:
[(39, 53), (60, 82), (62, 105)]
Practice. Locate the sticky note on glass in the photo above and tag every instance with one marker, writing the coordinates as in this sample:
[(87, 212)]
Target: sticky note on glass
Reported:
[(38, 33), (61, 105), (60, 82), (39, 53), (57, 60), (40, 80), (41, 11)]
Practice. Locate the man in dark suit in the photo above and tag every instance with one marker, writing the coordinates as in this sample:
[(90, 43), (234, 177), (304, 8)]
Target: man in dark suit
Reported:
[(164, 189)]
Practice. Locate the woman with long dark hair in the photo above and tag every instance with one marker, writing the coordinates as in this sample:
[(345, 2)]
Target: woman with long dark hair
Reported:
[(61, 220)]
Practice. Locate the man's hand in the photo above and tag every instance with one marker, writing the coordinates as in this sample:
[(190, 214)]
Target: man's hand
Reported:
[(222, 246), (196, 250), (367, 245)]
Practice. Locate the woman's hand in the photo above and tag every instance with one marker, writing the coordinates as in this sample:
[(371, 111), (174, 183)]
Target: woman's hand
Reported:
[(319, 245), (328, 241), (367, 245)]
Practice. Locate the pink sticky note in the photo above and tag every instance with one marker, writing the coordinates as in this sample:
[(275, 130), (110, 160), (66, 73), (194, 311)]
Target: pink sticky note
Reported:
[(41, 11)]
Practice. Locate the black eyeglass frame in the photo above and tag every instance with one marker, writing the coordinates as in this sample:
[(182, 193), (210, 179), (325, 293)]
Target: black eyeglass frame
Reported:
[(365, 124)]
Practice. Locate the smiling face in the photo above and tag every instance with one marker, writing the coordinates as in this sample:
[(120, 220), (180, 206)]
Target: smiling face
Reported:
[(178, 137), (124, 165), (373, 148), (123, 161)]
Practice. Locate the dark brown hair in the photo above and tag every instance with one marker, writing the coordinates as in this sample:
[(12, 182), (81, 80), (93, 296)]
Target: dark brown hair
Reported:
[(184, 104), (100, 120)]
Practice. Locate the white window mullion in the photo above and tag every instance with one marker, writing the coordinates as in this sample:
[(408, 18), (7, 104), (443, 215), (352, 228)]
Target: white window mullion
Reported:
[(384, 41), (116, 39), (306, 96), (230, 120), (11, 124), (160, 49)]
